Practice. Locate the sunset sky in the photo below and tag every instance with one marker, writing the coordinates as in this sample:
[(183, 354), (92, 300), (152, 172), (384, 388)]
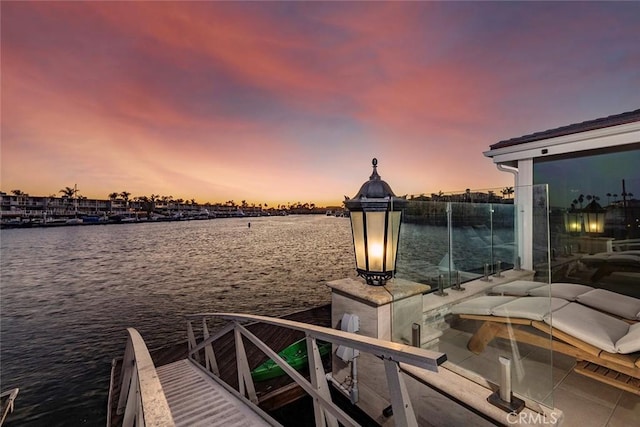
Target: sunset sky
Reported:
[(277, 102)]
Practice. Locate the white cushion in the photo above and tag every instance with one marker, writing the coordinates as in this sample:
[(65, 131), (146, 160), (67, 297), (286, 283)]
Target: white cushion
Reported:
[(612, 302), (568, 291), (589, 325), (517, 287), (482, 305), (533, 308), (631, 342), (624, 259)]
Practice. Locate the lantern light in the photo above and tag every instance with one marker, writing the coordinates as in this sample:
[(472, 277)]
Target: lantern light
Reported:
[(573, 221), (594, 218), (375, 214)]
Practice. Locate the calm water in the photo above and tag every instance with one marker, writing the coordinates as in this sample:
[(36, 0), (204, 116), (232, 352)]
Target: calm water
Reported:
[(68, 293)]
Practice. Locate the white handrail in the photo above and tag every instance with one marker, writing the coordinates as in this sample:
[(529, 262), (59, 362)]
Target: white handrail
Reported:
[(325, 410), (625, 245), (142, 399)]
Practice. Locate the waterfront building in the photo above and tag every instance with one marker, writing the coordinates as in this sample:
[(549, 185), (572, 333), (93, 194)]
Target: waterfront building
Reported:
[(26, 209)]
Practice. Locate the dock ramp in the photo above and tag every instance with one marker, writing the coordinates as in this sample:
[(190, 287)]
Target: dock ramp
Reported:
[(190, 392), (181, 393), (196, 398)]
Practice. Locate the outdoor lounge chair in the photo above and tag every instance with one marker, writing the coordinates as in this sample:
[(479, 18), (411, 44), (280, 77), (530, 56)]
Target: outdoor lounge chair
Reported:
[(606, 348), (607, 263), (624, 306)]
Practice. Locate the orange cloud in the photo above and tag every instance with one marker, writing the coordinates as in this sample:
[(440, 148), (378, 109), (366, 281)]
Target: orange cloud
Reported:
[(235, 100)]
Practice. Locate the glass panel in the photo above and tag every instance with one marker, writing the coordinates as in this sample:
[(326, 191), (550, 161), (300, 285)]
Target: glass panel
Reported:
[(479, 234), (357, 225), (478, 240), (392, 237), (594, 201), (375, 239), (472, 236), (423, 241)]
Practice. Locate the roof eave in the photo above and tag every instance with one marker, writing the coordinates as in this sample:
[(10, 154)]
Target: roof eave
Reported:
[(623, 134)]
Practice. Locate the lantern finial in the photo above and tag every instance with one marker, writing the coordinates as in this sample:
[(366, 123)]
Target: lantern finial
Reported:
[(374, 174)]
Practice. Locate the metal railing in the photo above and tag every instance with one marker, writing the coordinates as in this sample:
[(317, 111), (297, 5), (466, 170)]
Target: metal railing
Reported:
[(325, 411)]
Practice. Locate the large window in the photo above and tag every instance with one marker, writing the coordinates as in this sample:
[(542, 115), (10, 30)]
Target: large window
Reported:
[(599, 180), (594, 203)]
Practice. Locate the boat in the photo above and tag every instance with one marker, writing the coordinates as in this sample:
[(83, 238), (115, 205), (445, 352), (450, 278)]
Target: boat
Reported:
[(295, 355), (6, 399)]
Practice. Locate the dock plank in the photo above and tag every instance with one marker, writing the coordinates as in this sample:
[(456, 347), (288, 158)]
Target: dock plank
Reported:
[(195, 398)]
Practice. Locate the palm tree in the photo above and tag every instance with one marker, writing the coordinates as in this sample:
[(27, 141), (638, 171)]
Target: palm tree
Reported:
[(147, 203), (507, 191), (125, 196), (70, 194)]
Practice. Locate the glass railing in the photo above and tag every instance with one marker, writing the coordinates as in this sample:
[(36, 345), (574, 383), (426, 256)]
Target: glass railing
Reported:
[(446, 244)]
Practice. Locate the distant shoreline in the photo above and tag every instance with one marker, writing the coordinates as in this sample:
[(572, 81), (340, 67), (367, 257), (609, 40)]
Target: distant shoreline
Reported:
[(72, 222)]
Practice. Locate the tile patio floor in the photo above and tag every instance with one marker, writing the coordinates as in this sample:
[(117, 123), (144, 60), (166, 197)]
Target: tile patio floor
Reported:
[(584, 401)]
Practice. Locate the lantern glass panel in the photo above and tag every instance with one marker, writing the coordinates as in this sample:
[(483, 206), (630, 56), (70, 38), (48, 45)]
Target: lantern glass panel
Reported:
[(595, 222), (375, 240), (573, 222), (357, 227), (393, 233)]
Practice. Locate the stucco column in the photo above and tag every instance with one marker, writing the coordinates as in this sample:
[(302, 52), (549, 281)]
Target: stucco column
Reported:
[(385, 312)]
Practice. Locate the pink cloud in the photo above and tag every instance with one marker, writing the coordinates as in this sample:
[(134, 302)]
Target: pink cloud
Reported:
[(222, 97)]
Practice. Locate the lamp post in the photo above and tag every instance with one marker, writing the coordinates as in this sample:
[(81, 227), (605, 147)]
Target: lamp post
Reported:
[(375, 214)]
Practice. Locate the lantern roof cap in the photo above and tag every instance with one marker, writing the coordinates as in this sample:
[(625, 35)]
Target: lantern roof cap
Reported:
[(375, 188), (594, 206)]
